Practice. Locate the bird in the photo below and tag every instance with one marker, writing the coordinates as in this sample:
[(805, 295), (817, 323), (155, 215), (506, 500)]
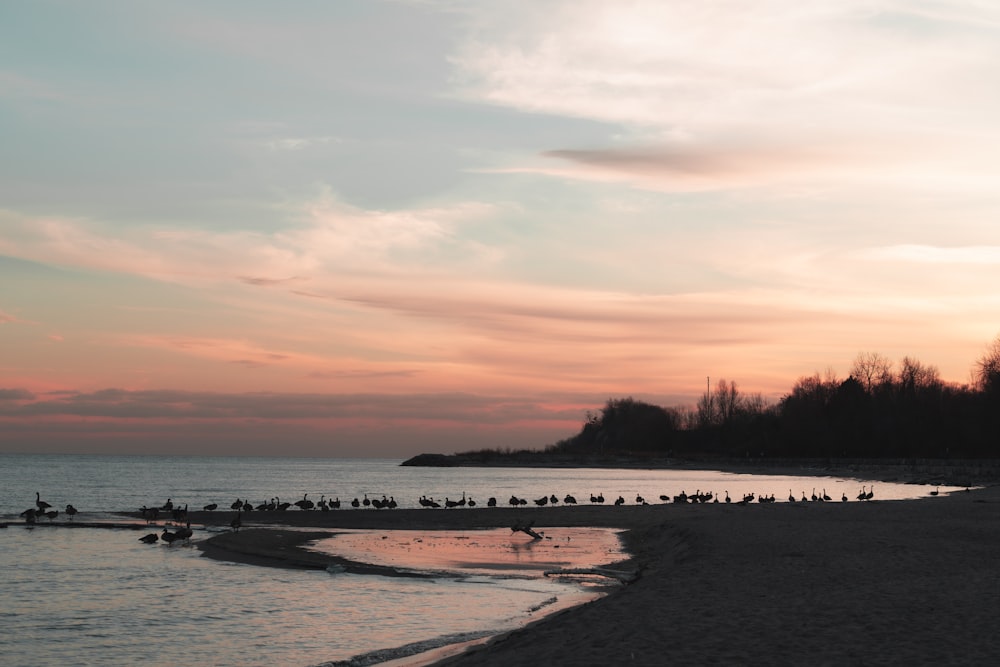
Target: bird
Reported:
[(211, 506), (791, 498), (843, 497), (825, 497), (569, 500), (149, 539), (237, 504), (355, 503), (935, 491), (29, 515), (728, 500), (862, 495), (236, 522), (169, 537), (184, 533), (492, 502), (41, 504), (871, 492), (52, 514), (71, 511)]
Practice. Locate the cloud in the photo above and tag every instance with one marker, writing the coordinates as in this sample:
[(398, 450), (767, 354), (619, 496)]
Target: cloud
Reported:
[(16, 395), (818, 89), (923, 254), (298, 143), (163, 404)]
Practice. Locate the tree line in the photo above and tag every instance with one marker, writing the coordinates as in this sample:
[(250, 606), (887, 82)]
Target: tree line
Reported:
[(882, 409)]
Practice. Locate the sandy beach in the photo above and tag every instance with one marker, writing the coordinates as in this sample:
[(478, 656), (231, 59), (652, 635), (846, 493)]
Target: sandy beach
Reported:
[(857, 583)]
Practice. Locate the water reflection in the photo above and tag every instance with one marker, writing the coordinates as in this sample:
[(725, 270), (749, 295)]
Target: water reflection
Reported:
[(492, 551)]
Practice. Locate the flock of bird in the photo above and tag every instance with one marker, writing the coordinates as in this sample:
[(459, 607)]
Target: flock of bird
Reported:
[(183, 534), (44, 509)]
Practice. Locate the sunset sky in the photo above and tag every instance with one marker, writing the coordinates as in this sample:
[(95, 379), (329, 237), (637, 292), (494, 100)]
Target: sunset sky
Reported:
[(364, 228)]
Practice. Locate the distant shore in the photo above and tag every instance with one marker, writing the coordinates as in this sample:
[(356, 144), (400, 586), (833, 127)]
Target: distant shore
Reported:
[(946, 472)]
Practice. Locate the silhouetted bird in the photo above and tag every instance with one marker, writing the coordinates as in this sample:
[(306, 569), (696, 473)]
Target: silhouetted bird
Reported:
[(150, 539), (169, 537), (935, 491), (41, 504), (211, 506), (71, 511), (236, 522)]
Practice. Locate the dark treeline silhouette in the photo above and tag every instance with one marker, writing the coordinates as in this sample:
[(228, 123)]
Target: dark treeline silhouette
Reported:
[(880, 410)]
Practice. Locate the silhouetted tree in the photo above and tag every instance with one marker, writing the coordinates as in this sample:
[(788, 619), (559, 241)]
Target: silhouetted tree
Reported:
[(871, 369)]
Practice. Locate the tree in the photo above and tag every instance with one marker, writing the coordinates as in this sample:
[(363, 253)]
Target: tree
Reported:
[(986, 373), (871, 369)]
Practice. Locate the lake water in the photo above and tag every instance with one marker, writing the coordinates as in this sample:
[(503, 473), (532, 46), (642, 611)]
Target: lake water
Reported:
[(99, 597)]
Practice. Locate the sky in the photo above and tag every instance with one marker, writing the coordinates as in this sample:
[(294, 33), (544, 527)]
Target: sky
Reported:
[(379, 228)]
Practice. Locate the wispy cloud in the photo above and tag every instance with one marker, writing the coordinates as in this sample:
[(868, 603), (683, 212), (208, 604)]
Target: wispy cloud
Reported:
[(720, 94), (922, 254)]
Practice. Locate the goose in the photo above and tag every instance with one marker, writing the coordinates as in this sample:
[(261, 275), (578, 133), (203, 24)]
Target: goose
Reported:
[(51, 514), (355, 503), (862, 495), (492, 502), (824, 496), (541, 502), (335, 504), (814, 496), (237, 504), (871, 492), (553, 500), (211, 506), (639, 500), (169, 537), (29, 515), (184, 533), (791, 498), (71, 511), (41, 504), (728, 499), (569, 500), (236, 522), (803, 496), (149, 539), (366, 502), (619, 501), (843, 498), (935, 491)]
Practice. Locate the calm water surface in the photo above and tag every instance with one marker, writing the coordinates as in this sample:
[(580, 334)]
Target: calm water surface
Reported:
[(99, 597)]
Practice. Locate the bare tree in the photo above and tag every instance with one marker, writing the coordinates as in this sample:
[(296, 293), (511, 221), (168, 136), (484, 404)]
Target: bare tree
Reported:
[(727, 400), (914, 375), (871, 369), (986, 372)]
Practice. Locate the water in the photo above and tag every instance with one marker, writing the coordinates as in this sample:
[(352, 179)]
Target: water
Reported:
[(99, 597)]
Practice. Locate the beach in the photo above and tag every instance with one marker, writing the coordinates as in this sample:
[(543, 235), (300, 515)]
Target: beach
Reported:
[(823, 583)]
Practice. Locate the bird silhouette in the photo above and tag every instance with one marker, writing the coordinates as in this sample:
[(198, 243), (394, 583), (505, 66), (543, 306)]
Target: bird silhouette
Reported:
[(41, 504), (149, 539), (71, 511), (236, 522), (211, 506)]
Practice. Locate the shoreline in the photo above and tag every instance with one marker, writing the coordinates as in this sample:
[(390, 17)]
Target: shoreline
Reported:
[(876, 583)]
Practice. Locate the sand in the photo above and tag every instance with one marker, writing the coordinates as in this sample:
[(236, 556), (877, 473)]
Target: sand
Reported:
[(857, 583)]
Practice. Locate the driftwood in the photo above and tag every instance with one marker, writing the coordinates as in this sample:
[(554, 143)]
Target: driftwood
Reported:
[(626, 577), (526, 529)]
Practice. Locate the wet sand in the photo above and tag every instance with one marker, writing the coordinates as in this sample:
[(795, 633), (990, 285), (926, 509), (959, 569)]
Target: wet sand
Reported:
[(858, 583)]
